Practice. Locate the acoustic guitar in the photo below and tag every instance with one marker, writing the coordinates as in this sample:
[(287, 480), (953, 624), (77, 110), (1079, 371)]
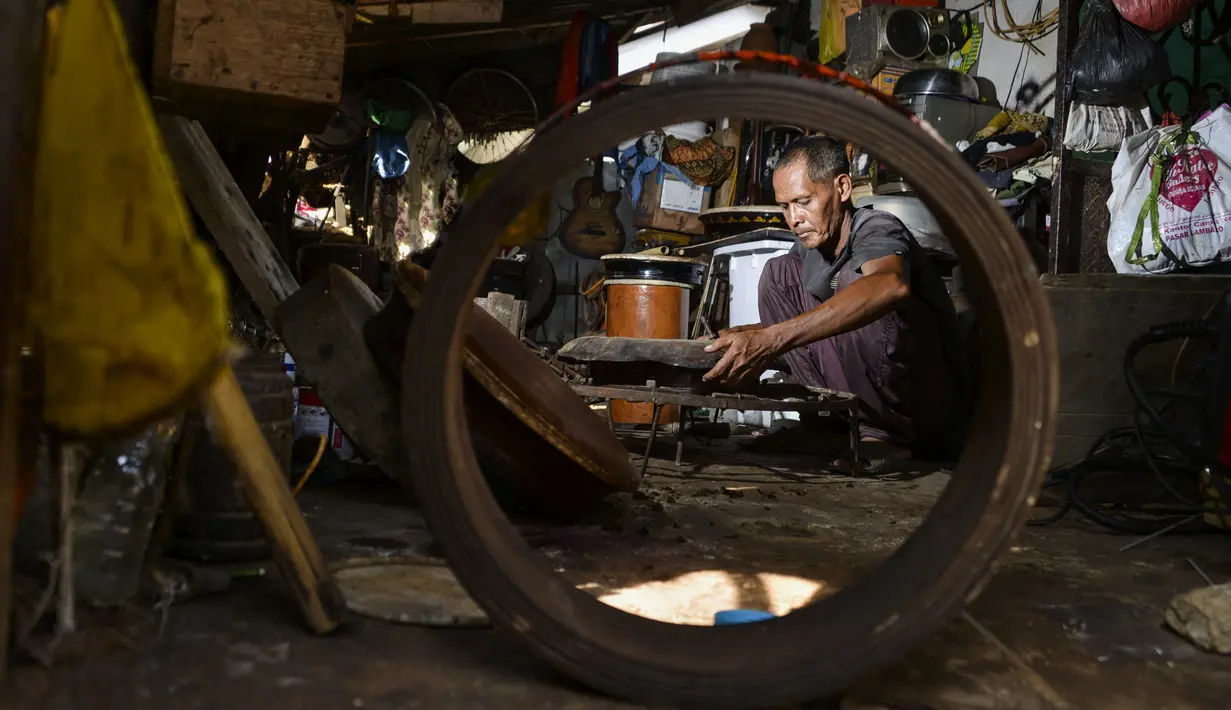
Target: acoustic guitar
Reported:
[(592, 229)]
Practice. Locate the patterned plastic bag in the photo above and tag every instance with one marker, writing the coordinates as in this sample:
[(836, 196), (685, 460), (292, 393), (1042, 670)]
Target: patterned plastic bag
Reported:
[(1170, 206)]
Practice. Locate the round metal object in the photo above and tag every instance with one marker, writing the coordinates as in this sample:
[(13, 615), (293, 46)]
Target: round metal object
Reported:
[(540, 292), (907, 33), (937, 82), (940, 46), (829, 645), (488, 101), (346, 129), (728, 221), (678, 270)]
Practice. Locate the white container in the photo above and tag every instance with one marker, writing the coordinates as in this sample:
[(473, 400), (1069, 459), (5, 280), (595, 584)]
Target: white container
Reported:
[(744, 274)]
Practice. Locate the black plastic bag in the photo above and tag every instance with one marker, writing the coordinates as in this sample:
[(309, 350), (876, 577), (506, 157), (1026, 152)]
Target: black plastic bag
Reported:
[(1113, 60)]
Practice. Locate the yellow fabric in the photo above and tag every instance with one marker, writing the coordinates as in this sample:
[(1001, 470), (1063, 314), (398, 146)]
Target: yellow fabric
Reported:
[(129, 307), (1007, 122), (529, 225)]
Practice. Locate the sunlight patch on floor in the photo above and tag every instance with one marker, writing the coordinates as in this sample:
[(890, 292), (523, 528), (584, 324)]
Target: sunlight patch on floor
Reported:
[(695, 597)]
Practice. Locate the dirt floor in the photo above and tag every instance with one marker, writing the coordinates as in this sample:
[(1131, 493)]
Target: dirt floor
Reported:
[(1069, 621)]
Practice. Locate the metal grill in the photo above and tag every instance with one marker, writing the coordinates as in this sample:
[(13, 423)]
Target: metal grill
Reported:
[(1197, 48)]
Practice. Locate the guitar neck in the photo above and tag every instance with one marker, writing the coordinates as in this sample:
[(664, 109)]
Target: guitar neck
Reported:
[(596, 185)]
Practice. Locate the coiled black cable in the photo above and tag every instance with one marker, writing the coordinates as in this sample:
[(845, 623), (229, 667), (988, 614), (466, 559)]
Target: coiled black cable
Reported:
[(1149, 445)]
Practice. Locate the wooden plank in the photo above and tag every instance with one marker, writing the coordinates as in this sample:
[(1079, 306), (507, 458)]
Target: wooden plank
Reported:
[(1096, 317), (322, 327), (507, 310), (688, 354), (295, 550), (214, 194), (1065, 214), (438, 12), (21, 38), (281, 55)]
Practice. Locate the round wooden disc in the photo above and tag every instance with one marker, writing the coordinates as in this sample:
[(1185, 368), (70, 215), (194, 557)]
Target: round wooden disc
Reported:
[(420, 593)]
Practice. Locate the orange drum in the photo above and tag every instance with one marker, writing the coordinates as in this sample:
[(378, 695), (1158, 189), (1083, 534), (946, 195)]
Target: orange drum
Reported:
[(648, 297)]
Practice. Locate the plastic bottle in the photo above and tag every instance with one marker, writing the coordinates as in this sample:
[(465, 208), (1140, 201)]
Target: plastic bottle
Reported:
[(121, 493)]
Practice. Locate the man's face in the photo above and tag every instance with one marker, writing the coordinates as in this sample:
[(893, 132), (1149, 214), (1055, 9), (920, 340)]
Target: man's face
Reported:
[(813, 210)]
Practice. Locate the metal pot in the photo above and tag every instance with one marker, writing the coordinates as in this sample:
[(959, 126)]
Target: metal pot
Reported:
[(937, 82)]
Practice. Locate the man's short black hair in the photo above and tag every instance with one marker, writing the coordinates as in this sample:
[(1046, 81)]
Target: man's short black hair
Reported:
[(824, 157)]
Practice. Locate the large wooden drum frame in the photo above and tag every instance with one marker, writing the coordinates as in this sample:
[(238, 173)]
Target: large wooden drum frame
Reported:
[(820, 649)]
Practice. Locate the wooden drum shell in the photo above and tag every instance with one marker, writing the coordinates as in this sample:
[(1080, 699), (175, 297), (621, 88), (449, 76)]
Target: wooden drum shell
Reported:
[(646, 309)]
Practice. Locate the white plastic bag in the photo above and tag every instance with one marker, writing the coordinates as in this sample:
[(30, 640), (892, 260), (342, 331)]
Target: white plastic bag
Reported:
[(1097, 128), (1170, 205)]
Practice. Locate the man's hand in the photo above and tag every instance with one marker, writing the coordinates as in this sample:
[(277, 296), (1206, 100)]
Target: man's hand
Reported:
[(748, 352)]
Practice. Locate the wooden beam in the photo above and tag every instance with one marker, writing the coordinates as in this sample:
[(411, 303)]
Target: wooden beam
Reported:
[(295, 549), (21, 39), (212, 191)]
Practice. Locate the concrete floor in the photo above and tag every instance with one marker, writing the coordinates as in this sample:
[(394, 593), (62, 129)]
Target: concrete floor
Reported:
[(1069, 621)]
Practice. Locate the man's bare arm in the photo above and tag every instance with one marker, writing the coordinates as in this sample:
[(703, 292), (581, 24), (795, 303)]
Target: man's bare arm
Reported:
[(883, 287)]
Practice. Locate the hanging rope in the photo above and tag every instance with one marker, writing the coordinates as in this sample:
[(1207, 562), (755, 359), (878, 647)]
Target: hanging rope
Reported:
[(1027, 33)]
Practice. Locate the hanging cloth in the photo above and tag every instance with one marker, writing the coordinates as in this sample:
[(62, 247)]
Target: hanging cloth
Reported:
[(599, 55), (128, 304), (570, 59), (591, 56)]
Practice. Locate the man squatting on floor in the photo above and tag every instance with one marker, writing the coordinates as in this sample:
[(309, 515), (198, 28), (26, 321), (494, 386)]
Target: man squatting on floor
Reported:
[(856, 306)]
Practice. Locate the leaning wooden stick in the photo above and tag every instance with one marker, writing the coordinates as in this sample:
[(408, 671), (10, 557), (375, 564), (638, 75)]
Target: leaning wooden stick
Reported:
[(269, 493), (70, 461)]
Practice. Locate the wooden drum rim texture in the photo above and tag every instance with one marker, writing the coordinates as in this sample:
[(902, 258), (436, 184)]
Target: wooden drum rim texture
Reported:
[(820, 649)]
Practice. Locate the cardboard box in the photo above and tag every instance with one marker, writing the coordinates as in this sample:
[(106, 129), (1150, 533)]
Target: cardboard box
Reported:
[(268, 62), (670, 204), (885, 80)]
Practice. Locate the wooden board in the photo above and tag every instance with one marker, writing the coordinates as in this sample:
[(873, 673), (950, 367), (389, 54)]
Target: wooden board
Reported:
[(265, 485), (213, 193), (322, 326), (409, 592), (438, 12), (507, 310), (284, 56), (1096, 316), (674, 352), (548, 443)]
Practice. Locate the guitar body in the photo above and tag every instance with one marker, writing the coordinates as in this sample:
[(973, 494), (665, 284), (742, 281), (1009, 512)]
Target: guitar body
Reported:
[(592, 229)]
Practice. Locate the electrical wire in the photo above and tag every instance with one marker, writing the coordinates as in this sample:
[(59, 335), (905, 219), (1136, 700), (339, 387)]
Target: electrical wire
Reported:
[(1026, 33), (316, 460), (1150, 445)]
